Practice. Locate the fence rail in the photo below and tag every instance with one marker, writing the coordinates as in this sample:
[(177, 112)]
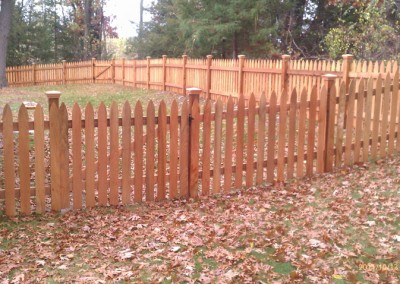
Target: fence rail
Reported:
[(135, 154), (218, 78)]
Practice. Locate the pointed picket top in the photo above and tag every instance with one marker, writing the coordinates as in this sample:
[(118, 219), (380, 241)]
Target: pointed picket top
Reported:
[(76, 112), (138, 110), (63, 110), (378, 83), (22, 112), (102, 108), (7, 112), (293, 98), (38, 112), (174, 106), (230, 101), (89, 109), (162, 107), (352, 86), (360, 89), (263, 99), (252, 99), (388, 79), (389, 67), (273, 99), (207, 106), (150, 107), (395, 67)]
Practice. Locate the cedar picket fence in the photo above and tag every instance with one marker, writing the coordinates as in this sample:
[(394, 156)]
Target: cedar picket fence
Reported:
[(218, 78), (191, 153)]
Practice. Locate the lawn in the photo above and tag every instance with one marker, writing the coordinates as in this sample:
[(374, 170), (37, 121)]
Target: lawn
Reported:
[(82, 94), (341, 227)]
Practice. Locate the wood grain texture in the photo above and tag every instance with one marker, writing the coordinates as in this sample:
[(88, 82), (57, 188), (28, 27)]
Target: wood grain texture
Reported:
[(64, 158), (89, 156), (24, 167), (271, 138), (126, 154), (138, 152), (250, 141), (217, 147), (77, 184), (228, 146), (239, 143), (311, 131), (183, 153), (262, 113), (162, 155), (102, 155), (150, 151), (39, 160), (206, 159), (292, 135)]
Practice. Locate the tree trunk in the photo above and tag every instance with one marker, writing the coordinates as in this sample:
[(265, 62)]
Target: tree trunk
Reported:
[(88, 29), (5, 24), (141, 19)]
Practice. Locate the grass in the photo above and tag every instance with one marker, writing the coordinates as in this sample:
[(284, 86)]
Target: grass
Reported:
[(341, 227), (83, 94)]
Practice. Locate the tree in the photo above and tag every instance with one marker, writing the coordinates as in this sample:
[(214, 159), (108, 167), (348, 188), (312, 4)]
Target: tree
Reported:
[(5, 23), (370, 31)]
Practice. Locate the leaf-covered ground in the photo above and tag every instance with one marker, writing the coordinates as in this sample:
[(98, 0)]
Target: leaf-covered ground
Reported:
[(336, 228)]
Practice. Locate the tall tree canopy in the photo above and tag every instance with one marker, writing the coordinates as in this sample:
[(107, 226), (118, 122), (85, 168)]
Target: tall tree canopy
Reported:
[(262, 28), (45, 31)]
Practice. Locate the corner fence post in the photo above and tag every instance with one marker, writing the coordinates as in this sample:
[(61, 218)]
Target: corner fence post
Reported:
[(329, 81), (194, 135), (55, 143)]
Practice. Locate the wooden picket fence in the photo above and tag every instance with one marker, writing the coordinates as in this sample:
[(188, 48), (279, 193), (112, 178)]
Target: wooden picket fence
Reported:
[(116, 158), (218, 78)]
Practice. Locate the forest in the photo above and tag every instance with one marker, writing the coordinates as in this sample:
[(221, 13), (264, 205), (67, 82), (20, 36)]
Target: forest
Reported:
[(46, 31)]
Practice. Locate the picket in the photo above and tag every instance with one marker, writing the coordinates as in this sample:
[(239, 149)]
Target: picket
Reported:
[(239, 142), (23, 152), (64, 158), (138, 152), (39, 160), (150, 151), (273, 107), (262, 112), (114, 154), (376, 117), (102, 155), (162, 155), (228, 145), (292, 135), (250, 140), (174, 148), (301, 134), (77, 156), (9, 172), (206, 157), (89, 156), (217, 147)]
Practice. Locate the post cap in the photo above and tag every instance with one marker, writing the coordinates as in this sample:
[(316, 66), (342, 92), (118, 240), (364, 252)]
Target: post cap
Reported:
[(209, 56), (285, 57), (241, 56), (193, 91), (347, 56), (329, 77), (184, 56), (148, 57), (53, 94), (164, 56)]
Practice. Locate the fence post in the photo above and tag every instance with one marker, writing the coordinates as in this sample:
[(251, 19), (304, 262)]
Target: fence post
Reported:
[(55, 143), (208, 82), (93, 70), (123, 71), (346, 68), (284, 73), (329, 82), (164, 68), (64, 72), (148, 72), (34, 73), (113, 70), (194, 134), (184, 62), (242, 59)]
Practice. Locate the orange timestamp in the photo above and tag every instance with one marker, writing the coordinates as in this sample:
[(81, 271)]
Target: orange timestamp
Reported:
[(379, 267)]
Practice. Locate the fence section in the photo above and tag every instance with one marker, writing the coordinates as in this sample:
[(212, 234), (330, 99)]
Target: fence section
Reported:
[(218, 78), (132, 154)]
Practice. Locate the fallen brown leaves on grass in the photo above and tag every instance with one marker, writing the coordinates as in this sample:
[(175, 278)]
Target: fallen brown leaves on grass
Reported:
[(336, 228)]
